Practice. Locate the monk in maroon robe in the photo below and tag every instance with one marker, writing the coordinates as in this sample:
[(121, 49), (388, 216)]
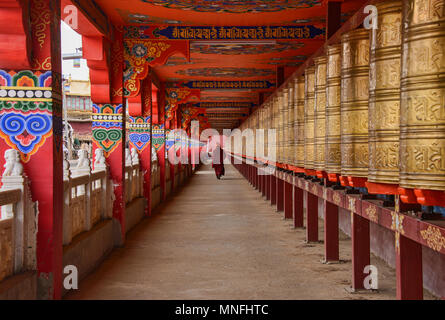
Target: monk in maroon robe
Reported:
[(218, 157)]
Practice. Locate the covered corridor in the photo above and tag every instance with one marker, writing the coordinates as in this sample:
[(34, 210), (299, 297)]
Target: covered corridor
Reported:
[(222, 240), (340, 102)]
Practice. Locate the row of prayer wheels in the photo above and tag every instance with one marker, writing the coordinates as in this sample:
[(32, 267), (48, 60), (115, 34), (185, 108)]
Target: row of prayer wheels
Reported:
[(372, 109)]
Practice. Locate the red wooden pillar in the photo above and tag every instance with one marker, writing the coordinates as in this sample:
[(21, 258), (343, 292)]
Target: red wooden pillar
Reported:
[(268, 184), (249, 172), (331, 232), (158, 136), (140, 138), (311, 217), (360, 250), (333, 15), (273, 189), (254, 176), (280, 194), (298, 210), (109, 134), (409, 277), (170, 149), (31, 121), (263, 184), (288, 203)]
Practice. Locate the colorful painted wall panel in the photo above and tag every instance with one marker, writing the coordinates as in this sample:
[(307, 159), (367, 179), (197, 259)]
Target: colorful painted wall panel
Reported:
[(107, 126), (26, 108), (158, 133), (139, 129), (234, 6), (139, 55)]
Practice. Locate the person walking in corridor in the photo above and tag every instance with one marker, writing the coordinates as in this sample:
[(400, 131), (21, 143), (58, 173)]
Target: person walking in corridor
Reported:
[(218, 156)]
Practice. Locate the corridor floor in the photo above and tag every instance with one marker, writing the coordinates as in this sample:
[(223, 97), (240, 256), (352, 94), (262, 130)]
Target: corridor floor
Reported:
[(222, 240)]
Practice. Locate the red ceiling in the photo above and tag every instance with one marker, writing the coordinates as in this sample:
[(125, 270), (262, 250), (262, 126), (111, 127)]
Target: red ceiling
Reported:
[(224, 60)]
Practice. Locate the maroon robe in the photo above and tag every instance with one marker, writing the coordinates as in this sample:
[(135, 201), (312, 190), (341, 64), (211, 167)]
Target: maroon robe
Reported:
[(218, 157)]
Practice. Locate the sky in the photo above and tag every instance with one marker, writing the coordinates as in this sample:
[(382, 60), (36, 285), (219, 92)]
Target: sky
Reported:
[(70, 41)]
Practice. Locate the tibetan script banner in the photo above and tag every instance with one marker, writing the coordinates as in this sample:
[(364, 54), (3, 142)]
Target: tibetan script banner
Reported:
[(225, 33), (224, 105), (261, 84)]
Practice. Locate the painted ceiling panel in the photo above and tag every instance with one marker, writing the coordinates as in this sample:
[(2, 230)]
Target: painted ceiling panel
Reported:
[(215, 56)]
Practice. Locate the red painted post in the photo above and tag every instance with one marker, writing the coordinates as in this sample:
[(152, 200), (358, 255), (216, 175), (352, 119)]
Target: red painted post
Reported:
[(298, 210), (273, 189), (268, 187), (106, 128), (140, 139), (249, 172), (158, 137), (331, 232), (32, 124), (360, 250), (263, 184), (311, 217), (409, 278), (288, 203), (280, 194)]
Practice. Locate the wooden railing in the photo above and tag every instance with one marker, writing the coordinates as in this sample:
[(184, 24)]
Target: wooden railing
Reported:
[(88, 199), (133, 182), (89, 194), (18, 221)]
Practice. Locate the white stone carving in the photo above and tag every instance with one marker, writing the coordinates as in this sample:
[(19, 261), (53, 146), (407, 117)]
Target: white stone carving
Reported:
[(154, 160), (127, 158), (13, 166), (66, 165), (99, 163), (84, 161), (134, 156)]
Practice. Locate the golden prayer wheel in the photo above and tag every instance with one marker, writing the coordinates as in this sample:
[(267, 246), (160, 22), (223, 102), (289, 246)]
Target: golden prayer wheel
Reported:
[(268, 126), (290, 125), (309, 116), (422, 113), (354, 103), (284, 101), (333, 89), (299, 84), (264, 126), (384, 94), (279, 127), (254, 127), (320, 113), (275, 128)]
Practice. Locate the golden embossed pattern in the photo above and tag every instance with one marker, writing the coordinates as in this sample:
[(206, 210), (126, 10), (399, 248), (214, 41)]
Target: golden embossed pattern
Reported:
[(320, 113), (433, 238), (284, 112), (422, 111), (333, 88), (309, 109), (290, 126), (354, 103), (280, 128), (299, 84), (384, 94)]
